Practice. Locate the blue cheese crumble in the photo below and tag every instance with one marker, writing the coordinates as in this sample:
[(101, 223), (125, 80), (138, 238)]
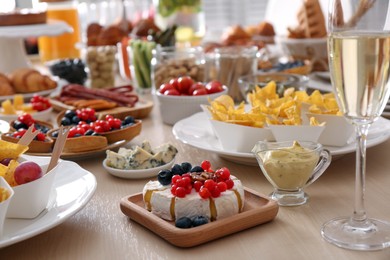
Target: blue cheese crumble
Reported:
[(141, 157)]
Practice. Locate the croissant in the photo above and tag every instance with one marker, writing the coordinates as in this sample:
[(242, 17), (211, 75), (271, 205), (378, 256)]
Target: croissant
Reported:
[(6, 88), (26, 80)]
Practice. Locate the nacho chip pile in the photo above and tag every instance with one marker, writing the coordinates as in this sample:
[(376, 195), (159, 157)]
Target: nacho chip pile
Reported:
[(267, 108), (12, 151)]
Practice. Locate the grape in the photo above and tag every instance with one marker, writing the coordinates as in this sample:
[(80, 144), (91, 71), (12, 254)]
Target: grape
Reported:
[(6, 161), (27, 172)]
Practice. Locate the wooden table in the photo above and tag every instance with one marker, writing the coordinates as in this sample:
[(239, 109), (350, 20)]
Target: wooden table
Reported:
[(101, 231)]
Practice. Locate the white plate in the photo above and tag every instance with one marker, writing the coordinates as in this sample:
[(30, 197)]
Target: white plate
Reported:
[(137, 174), (196, 131), (44, 115), (72, 190), (4, 127)]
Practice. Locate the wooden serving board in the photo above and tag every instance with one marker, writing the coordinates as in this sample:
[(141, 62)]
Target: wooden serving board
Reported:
[(258, 209), (141, 109)]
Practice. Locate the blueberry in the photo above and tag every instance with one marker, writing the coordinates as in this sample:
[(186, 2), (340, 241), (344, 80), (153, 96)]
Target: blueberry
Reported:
[(42, 128), (77, 135), (65, 121), (183, 222), (128, 120), (70, 114), (89, 132), (197, 169), (54, 134), (19, 125), (164, 177), (95, 134), (75, 120), (177, 170), (186, 166), (199, 220)]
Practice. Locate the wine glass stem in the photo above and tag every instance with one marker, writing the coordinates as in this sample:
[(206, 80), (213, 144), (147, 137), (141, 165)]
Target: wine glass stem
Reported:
[(359, 214)]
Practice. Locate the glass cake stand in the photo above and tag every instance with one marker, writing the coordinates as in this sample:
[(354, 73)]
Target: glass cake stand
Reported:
[(12, 51)]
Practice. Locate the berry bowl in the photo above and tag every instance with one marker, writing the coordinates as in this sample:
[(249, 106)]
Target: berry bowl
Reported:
[(31, 198), (176, 107), (79, 144), (44, 115), (127, 133), (6, 194)]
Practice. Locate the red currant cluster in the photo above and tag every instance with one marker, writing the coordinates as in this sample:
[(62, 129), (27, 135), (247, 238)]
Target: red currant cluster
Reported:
[(86, 114), (218, 181), (99, 126), (18, 134), (40, 103)]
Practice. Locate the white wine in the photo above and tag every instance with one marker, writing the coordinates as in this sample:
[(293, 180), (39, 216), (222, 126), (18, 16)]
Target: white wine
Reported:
[(359, 67)]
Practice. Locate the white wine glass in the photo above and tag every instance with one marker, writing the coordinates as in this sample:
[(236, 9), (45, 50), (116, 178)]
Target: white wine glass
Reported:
[(359, 63)]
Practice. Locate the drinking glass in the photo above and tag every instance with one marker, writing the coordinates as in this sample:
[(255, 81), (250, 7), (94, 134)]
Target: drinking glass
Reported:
[(359, 60)]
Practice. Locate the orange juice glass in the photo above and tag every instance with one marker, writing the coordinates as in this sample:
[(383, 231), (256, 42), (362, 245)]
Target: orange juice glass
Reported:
[(62, 46)]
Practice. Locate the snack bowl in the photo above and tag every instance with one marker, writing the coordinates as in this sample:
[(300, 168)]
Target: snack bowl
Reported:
[(127, 133), (313, 49), (337, 130), (239, 138), (137, 174), (296, 132), (283, 81), (43, 115), (4, 204), (31, 198), (175, 108), (81, 143), (35, 146)]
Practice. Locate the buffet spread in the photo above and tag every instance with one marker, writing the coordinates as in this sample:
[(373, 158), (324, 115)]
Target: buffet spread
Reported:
[(210, 105)]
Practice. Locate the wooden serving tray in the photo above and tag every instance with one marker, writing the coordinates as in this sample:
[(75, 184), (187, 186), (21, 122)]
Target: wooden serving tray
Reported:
[(141, 109), (258, 209)]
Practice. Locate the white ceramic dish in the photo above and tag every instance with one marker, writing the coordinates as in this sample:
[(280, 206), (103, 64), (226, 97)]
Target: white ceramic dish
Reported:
[(72, 189), (196, 131), (4, 127), (175, 108), (137, 174), (44, 115), (4, 204)]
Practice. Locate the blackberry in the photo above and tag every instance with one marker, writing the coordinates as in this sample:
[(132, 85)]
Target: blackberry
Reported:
[(183, 222), (199, 220), (165, 177), (197, 169), (186, 166), (177, 169)]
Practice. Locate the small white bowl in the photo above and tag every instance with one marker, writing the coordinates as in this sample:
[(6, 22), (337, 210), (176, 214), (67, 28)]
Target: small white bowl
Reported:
[(337, 130), (137, 174), (44, 115), (296, 132), (30, 199), (239, 138), (175, 108), (4, 204)]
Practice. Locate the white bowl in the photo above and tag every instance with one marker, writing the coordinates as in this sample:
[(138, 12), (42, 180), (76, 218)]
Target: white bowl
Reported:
[(296, 132), (4, 204), (30, 199), (239, 138), (137, 174), (313, 49), (175, 108), (337, 130), (44, 115)]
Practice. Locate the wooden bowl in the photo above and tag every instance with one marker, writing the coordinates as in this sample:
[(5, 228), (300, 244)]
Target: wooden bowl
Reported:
[(48, 125), (82, 143), (35, 146), (127, 133)]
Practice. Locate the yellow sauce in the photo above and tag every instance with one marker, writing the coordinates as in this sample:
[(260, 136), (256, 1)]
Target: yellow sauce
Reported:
[(290, 168)]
